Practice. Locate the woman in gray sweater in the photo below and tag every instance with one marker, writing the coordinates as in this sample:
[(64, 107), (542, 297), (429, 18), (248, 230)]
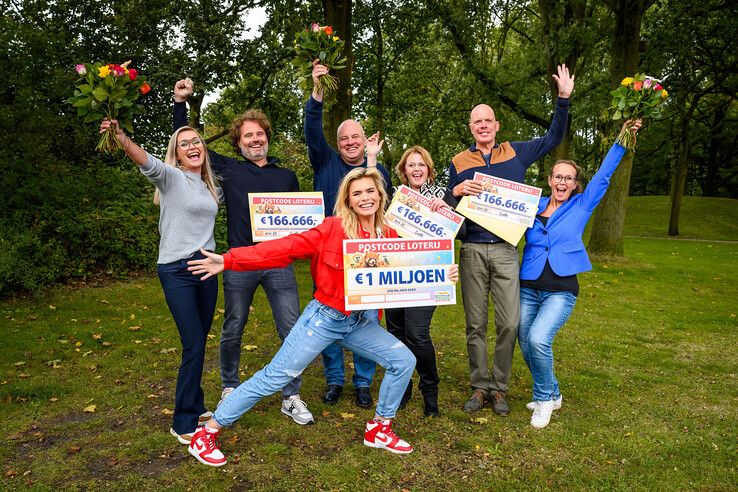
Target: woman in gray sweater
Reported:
[(188, 197)]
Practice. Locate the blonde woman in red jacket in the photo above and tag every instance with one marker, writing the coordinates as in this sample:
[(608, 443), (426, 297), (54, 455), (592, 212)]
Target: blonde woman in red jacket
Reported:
[(359, 215)]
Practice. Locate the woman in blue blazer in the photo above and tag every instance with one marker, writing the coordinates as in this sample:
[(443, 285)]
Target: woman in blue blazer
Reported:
[(554, 253)]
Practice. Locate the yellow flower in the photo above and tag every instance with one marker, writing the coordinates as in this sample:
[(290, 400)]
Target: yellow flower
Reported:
[(627, 81), (335, 38), (103, 71), (664, 93)]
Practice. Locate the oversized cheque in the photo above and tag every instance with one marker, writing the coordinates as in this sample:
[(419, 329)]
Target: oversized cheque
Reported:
[(389, 273), (275, 215), (505, 208), (410, 215)]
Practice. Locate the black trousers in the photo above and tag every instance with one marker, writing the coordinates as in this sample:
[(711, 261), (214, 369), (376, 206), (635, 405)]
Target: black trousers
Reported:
[(412, 327)]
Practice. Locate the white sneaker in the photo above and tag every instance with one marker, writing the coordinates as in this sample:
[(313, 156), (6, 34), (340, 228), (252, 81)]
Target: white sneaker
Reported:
[(203, 419), (182, 438), (542, 414), (531, 405), (224, 395), (297, 409)]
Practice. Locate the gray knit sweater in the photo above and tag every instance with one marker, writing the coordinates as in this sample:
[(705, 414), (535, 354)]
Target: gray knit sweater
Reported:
[(187, 210)]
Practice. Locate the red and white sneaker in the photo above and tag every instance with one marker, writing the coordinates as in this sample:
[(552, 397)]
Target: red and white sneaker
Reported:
[(204, 447), (377, 434)]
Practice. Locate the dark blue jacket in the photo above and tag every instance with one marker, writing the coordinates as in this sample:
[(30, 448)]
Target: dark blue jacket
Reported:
[(328, 167), (560, 240), (238, 178), (508, 160)]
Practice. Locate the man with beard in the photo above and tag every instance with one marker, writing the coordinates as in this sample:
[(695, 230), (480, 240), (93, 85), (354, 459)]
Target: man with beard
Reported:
[(254, 171), (329, 168)]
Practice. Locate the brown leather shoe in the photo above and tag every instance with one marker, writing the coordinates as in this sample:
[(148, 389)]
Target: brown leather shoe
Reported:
[(499, 403), (475, 402)]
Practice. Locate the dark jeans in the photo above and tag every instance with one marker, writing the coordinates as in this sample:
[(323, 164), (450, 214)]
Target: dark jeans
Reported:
[(192, 304), (280, 288), (412, 327)]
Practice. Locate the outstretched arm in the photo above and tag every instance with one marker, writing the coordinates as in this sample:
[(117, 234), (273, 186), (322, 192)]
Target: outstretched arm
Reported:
[(133, 151), (318, 71)]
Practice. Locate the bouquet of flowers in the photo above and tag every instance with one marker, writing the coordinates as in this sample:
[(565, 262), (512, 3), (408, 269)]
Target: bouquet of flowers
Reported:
[(319, 42), (638, 97), (108, 91)]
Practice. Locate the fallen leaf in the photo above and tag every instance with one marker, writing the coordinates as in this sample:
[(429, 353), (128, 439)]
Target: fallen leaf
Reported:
[(52, 307), (74, 449), (103, 301), (53, 399), (20, 363), (90, 409), (97, 336), (54, 364), (137, 342), (168, 350), (221, 310), (152, 396), (347, 415), (249, 348), (325, 413), (85, 354), (166, 411), (133, 316), (134, 328), (210, 337), (481, 420), (78, 344), (106, 344), (10, 473)]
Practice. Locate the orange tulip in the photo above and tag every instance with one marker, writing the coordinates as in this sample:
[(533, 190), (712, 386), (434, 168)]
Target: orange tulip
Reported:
[(144, 89)]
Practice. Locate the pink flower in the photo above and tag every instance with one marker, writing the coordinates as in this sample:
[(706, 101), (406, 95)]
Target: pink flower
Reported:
[(314, 27), (132, 73), (647, 83), (80, 69)]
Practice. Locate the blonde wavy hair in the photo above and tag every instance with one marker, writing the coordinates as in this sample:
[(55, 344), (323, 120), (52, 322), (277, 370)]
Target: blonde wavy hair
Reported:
[(210, 179), (424, 154), (349, 219)]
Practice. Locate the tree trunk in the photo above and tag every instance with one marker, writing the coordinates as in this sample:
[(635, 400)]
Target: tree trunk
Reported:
[(338, 14), (714, 154), (680, 178), (609, 218)]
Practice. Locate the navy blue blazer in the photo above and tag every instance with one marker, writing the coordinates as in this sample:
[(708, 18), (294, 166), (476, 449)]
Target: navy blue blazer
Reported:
[(560, 240)]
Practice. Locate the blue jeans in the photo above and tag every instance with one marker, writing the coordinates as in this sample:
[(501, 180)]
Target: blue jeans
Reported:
[(318, 327), (542, 314), (192, 304), (334, 371), (280, 287)]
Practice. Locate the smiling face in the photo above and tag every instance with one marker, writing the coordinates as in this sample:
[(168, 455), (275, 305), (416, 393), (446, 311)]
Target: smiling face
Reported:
[(351, 142), (483, 125), (253, 142), (416, 171), (563, 180), (190, 150), (364, 197)]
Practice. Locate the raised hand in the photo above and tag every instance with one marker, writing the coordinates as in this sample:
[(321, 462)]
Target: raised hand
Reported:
[(183, 90), (106, 124), (318, 71), (374, 145), (564, 82), (211, 265)]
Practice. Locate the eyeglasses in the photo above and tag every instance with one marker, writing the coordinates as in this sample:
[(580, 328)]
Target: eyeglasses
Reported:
[(184, 144), (566, 179)]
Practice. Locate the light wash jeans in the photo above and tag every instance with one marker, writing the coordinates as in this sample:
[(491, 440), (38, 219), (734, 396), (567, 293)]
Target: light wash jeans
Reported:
[(318, 326), (542, 314), (335, 373), (239, 287)]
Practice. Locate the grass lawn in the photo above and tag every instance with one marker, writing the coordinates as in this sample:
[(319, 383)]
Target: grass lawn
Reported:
[(647, 365)]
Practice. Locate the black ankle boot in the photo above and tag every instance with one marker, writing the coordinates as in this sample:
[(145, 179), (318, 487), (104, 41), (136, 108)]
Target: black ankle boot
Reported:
[(408, 394), (430, 399)]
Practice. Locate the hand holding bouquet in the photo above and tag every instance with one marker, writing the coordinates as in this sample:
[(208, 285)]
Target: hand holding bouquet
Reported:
[(638, 97), (319, 43), (108, 91)]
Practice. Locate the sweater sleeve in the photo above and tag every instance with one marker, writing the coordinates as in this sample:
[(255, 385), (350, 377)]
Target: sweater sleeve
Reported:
[(277, 253), (158, 173), (532, 150), (599, 183), (179, 115), (319, 151)]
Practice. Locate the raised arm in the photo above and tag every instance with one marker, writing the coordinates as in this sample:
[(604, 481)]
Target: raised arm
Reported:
[(599, 183), (319, 151), (318, 71), (133, 151)]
